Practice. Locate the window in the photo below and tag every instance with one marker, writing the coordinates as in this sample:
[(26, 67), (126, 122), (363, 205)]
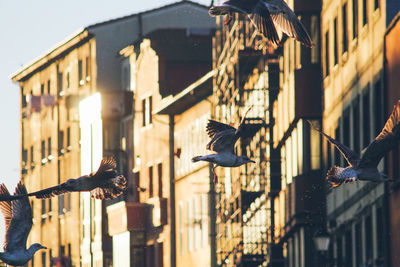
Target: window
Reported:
[(315, 38), (189, 226), (49, 205), (160, 182), (43, 259), (336, 151), (327, 53), (329, 153), (348, 251), (43, 210), (24, 158), (48, 87), (344, 29), (43, 150), (60, 82), (366, 119), (356, 125), (61, 204), (180, 227), (147, 107), (379, 225), (24, 101), (49, 154), (151, 181), (376, 4), (68, 80), (368, 239), (315, 142), (136, 192), (335, 42), (355, 19), (358, 244), (42, 89), (378, 107), (87, 69), (80, 73), (339, 251), (61, 143), (365, 12), (346, 128), (32, 157), (69, 139)]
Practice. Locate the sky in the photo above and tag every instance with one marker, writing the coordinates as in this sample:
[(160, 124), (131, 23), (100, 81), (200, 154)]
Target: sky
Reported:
[(30, 28)]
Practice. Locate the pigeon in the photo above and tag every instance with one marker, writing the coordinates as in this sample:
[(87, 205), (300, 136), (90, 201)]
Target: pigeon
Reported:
[(223, 139), (105, 183), (18, 224), (366, 167), (267, 16)]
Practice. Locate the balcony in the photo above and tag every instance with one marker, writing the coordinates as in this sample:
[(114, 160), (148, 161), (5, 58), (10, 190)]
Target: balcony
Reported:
[(124, 216), (159, 211)]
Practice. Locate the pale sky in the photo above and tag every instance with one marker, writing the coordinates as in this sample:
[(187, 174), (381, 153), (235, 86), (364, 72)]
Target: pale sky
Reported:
[(30, 28)]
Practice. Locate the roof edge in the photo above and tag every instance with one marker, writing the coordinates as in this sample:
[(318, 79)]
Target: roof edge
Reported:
[(53, 52)]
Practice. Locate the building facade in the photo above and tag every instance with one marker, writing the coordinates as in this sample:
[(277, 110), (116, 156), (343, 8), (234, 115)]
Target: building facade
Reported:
[(59, 141), (353, 112), (392, 71), (157, 66)]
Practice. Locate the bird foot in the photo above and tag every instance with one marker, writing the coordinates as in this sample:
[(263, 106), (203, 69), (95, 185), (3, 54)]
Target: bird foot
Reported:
[(228, 20)]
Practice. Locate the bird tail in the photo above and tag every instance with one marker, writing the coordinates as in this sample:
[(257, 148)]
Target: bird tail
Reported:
[(197, 158), (218, 11)]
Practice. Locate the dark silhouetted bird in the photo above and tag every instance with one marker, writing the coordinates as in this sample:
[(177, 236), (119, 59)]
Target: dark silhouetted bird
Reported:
[(18, 224), (365, 168), (267, 16)]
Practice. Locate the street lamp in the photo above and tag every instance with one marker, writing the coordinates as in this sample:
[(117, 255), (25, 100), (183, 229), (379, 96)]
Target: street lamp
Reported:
[(321, 240)]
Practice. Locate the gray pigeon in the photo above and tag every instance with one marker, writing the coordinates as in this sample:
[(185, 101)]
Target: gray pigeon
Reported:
[(223, 139), (365, 168), (267, 16), (18, 224)]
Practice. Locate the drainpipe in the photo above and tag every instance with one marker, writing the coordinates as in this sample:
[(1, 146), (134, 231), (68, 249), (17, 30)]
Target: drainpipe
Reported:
[(213, 219), (172, 188)]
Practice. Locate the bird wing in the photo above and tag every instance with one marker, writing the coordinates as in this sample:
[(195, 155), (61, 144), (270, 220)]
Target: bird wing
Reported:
[(112, 189), (223, 141), (351, 157), (51, 191), (288, 22), (384, 142), (5, 207), (261, 18), (213, 127), (107, 169), (21, 221)]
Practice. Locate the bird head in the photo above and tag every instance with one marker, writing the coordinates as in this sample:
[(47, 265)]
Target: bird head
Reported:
[(245, 160), (35, 247)]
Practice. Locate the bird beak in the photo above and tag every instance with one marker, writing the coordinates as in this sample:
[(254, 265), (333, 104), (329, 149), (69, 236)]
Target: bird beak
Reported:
[(43, 247), (252, 161)]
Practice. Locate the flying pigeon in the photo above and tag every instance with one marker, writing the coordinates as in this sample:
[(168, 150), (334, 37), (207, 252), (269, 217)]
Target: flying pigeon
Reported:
[(105, 183), (18, 224), (267, 16), (223, 139), (365, 168)]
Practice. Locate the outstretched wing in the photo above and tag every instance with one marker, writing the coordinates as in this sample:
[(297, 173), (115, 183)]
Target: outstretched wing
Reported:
[(5, 207), (351, 157), (288, 22), (261, 18), (107, 169), (384, 142), (112, 189), (51, 191), (21, 221), (222, 136)]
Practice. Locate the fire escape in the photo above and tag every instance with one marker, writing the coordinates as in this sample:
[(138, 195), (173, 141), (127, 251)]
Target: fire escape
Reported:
[(248, 76)]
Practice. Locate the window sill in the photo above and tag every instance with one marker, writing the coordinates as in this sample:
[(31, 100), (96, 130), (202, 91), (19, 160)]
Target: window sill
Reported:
[(376, 15), (345, 58), (364, 31), (353, 44)]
